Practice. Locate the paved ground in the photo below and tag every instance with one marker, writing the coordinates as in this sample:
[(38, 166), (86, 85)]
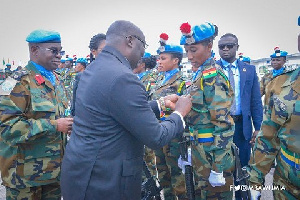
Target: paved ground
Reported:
[(266, 195)]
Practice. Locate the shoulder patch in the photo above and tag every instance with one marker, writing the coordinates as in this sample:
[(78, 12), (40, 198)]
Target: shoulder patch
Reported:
[(7, 86), (208, 73)]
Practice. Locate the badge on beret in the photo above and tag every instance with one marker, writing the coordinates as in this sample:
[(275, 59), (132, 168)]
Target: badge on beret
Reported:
[(7, 86)]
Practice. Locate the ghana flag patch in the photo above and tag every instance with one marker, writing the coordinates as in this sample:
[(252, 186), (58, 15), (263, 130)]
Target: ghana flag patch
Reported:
[(210, 73)]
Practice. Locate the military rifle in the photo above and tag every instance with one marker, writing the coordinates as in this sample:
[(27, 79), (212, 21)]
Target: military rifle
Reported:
[(241, 175), (149, 188), (189, 177)]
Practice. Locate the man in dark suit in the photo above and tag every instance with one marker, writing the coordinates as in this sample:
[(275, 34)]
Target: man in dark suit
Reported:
[(113, 121), (247, 106)]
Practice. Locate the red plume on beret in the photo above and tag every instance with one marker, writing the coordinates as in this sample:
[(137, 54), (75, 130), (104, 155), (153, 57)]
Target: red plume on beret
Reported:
[(277, 50), (185, 28), (164, 36), (241, 55)]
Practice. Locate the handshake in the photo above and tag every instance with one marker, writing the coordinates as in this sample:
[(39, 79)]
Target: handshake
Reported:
[(181, 104)]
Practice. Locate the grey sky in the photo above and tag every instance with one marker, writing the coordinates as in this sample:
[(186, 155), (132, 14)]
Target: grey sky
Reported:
[(259, 24)]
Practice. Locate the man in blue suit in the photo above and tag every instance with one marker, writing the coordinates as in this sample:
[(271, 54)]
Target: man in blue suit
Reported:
[(247, 105), (114, 121)]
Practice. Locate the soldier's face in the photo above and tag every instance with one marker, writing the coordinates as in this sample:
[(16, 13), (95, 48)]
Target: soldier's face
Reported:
[(47, 55), (79, 67), (277, 63), (198, 53), (166, 62)]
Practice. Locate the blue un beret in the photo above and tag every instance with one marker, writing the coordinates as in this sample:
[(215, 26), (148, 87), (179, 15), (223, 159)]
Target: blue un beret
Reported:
[(43, 36), (69, 59), (279, 54), (146, 55), (82, 60), (169, 48), (197, 33), (8, 64), (62, 60), (246, 59)]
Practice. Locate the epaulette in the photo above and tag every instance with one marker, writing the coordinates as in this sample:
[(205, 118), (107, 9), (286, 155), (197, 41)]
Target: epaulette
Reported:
[(17, 75)]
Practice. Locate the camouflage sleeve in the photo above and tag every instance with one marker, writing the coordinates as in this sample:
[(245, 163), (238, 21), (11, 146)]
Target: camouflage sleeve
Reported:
[(16, 126), (265, 149), (262, 86), (218, 96)]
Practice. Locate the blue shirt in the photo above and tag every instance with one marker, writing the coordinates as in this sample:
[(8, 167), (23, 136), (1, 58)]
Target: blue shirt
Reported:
[(277, 72), (48, 74), (236, 77), (169, 75)]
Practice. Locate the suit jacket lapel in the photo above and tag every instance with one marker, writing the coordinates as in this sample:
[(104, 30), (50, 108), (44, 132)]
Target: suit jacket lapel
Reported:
[(243, 73)]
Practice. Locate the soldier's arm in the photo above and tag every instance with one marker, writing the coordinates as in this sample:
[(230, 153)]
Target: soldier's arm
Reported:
[(265, 149), (262, 87), (218, 96), (15, 124)]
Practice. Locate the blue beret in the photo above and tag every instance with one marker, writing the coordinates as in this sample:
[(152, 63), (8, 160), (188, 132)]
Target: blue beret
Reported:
[(197, 34), (246, 59), (82, 60), (69, 59), (169, 48), (8, 64), (62, 60), (43, 36), (279, 54), (146, 55)]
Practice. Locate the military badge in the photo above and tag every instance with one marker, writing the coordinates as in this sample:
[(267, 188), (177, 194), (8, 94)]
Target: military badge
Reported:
[(39, 79)]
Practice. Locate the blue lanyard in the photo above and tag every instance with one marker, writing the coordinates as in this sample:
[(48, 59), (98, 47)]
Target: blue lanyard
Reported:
[(200, 68), (169, 75), (48, 74)]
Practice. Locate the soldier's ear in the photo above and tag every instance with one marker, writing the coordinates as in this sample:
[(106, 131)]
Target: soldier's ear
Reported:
[(33, 49)]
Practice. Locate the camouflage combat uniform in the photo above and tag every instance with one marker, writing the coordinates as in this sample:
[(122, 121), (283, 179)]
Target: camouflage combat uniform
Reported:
[(263, 83), (169, 174), (211, 129), (31, 148), (279, 137), (8, 72), (69, 78)]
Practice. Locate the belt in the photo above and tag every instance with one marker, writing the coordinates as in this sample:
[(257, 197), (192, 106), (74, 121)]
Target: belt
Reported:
[(291, 158), (202, 135), (237, 117)]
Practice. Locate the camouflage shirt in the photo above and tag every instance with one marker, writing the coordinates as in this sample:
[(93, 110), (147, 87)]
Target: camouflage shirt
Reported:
[(263, 83), (209, 120), (279, 136), (31, 148)]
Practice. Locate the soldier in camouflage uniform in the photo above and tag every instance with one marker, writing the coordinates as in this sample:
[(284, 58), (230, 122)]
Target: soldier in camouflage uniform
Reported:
[(279, 138), (7, 70), (32, 123), (143, 70), (278, 59), (169, 173), (211, 126), (69, 77)]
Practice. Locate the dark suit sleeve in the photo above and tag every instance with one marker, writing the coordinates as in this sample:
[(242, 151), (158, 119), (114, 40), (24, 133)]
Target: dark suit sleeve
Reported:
[(155, 108), (129, 106), (75, 86), (256, 104)]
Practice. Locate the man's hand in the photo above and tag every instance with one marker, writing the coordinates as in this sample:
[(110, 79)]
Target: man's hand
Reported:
[(184, 105), (252, 141), (64, 125), (170, 101)]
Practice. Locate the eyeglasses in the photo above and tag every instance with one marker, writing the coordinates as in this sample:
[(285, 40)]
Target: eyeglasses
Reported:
[(228, 46), (145, 45), (54, 51)]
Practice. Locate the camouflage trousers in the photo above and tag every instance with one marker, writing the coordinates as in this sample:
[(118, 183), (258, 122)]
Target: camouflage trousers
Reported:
[(44, 192), (289, 178), (202, 165), (169, 174), (149, 158)]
